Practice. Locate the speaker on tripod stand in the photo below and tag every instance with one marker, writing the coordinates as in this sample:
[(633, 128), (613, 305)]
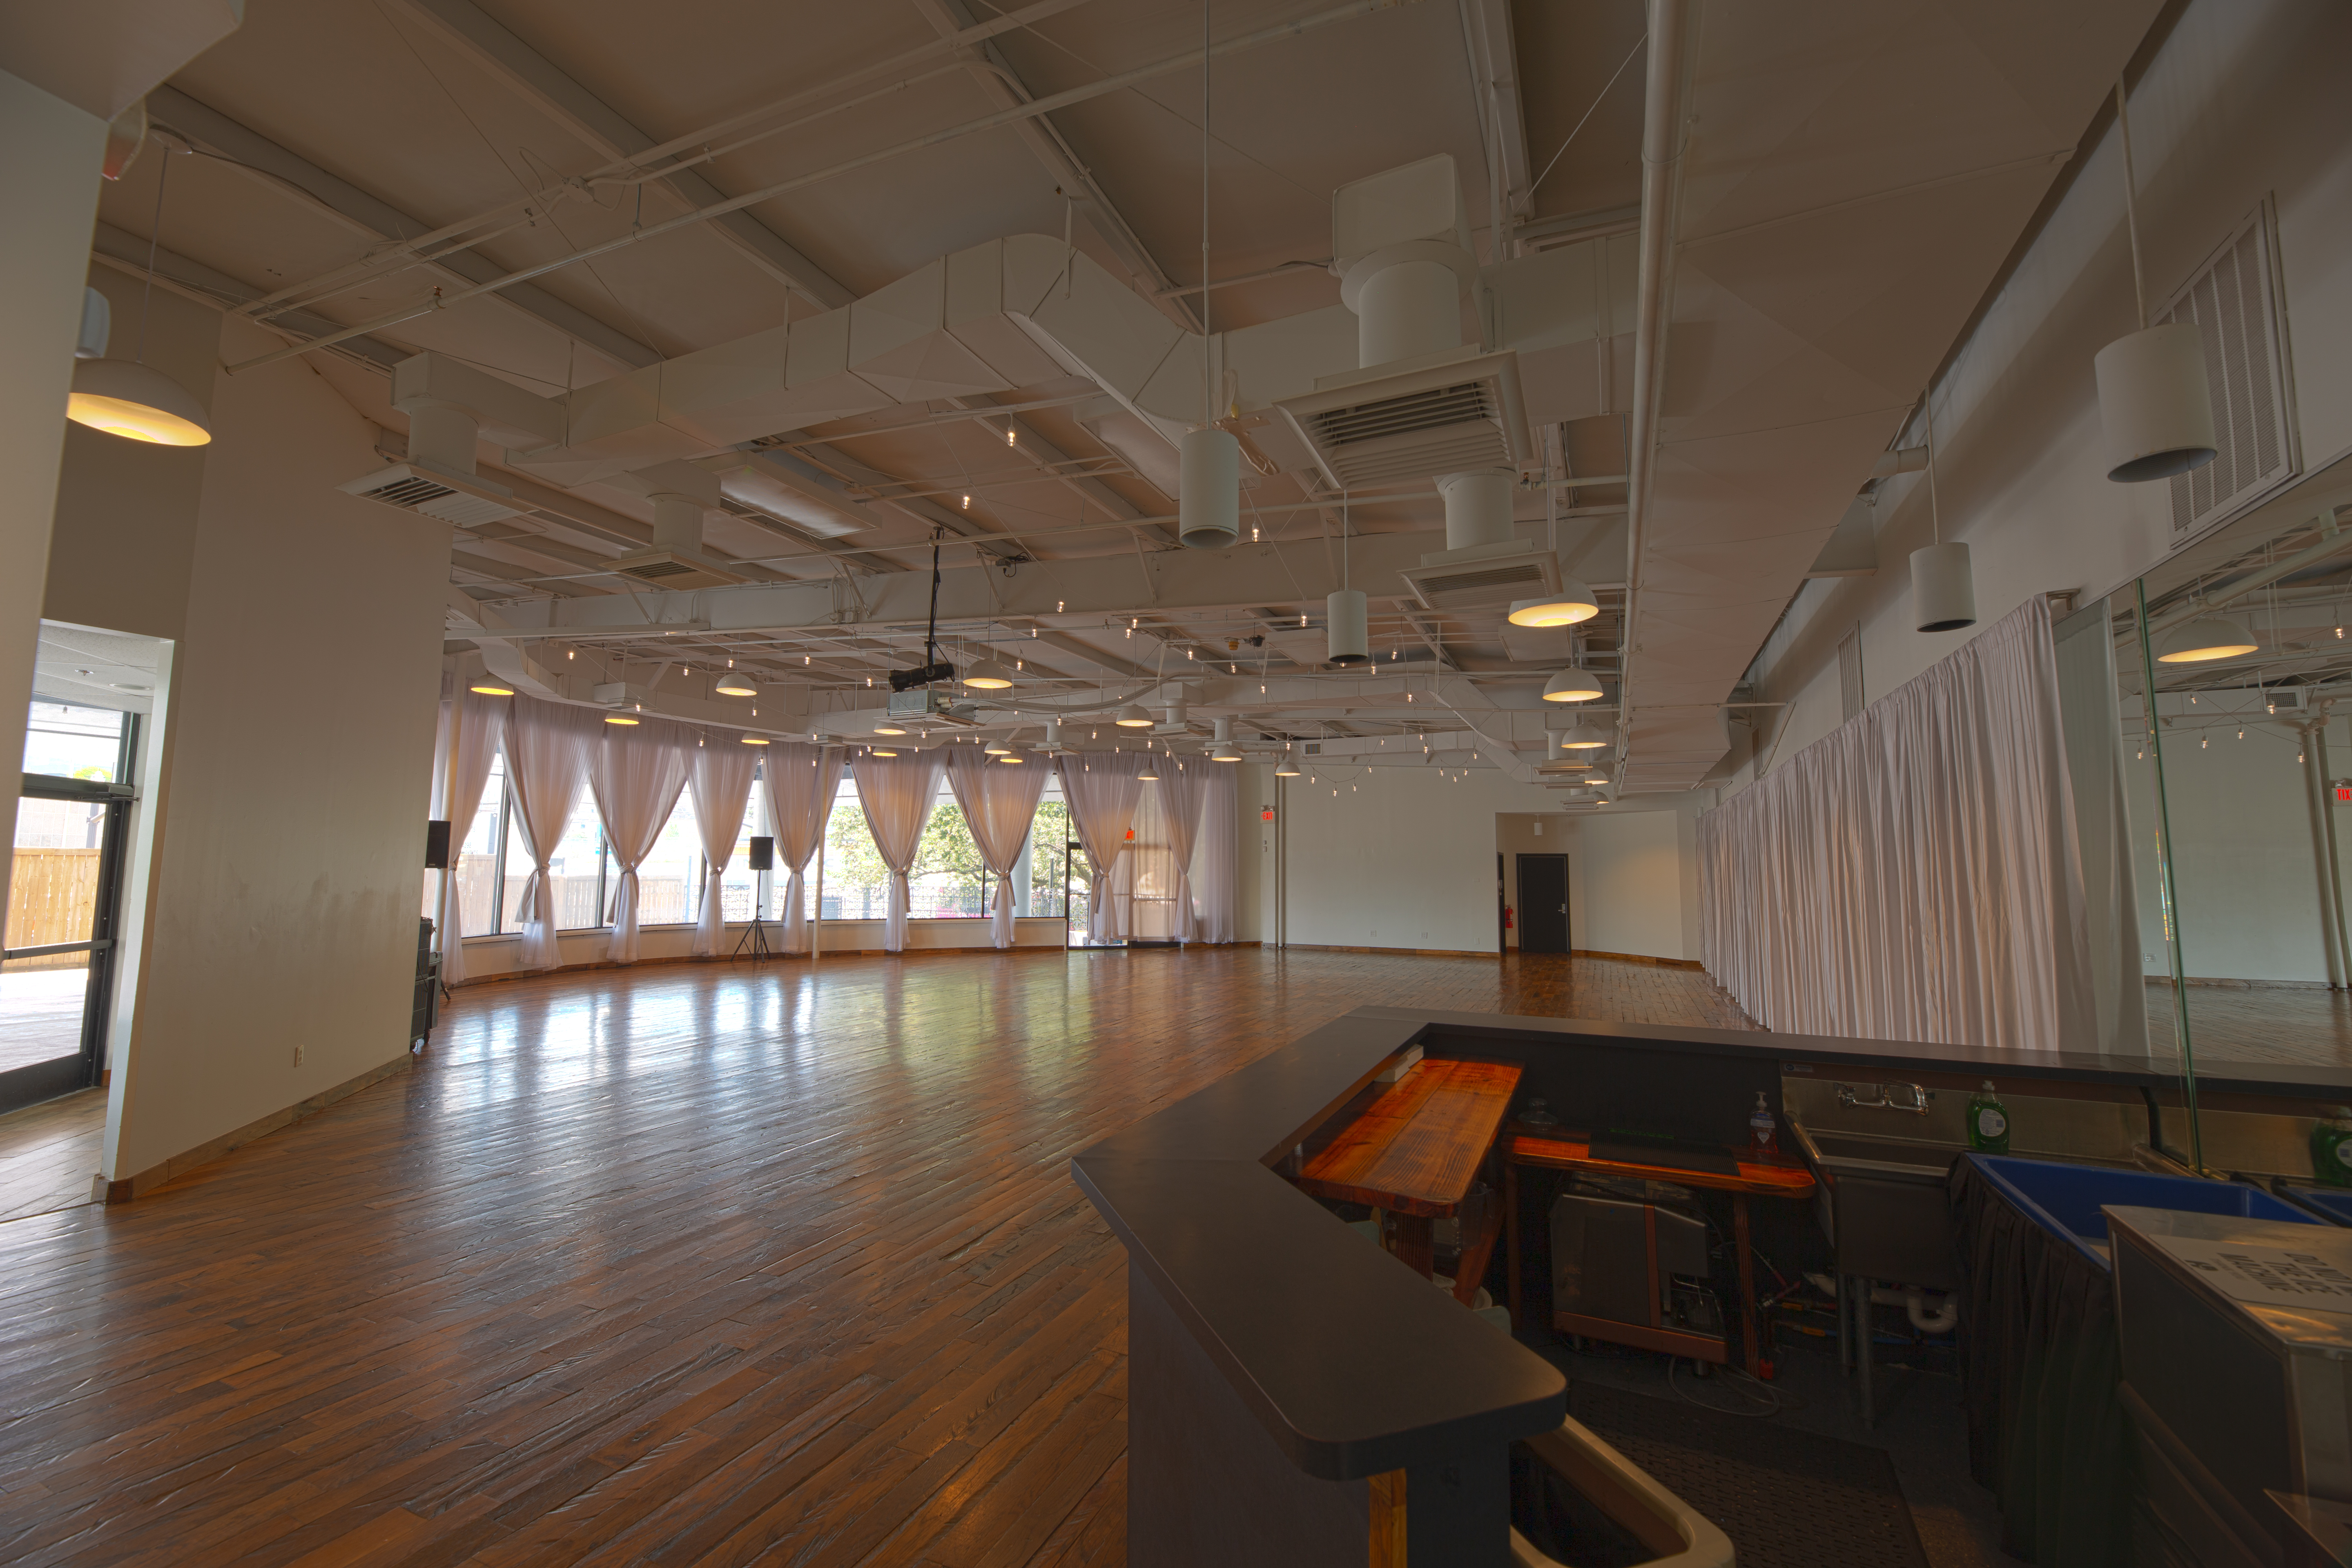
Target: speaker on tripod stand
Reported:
[(764, 859)]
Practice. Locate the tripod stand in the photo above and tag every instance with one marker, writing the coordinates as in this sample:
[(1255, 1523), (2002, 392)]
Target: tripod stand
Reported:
[(755, 937)]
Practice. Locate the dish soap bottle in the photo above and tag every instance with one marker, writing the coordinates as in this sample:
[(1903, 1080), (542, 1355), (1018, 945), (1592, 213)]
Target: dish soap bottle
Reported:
[(2331, 1148), (1987, 1121), (1764, 1132)]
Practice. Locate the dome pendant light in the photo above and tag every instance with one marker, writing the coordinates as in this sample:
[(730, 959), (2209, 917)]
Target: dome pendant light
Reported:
[(492, 685), (2154, 404), (1133, 716), (1943, 586), (1584, 738), (2203, 640), (988, 676), (1574, 603), (1149, 774), (1285, 768), (130, 397), (1571, 685), (732, 684)]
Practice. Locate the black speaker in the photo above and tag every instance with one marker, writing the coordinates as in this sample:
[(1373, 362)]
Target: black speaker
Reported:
[(763, 854), (437, 846)]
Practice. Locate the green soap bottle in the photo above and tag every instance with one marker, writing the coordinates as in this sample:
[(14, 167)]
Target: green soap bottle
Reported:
[(2331, 1147), (1989, 1122)]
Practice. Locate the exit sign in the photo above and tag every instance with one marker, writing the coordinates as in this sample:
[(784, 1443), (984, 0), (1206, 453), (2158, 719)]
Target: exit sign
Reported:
[(2343, 794), (1265, 813)]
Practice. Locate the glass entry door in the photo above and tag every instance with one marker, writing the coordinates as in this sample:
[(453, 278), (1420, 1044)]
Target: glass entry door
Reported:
[(56, 968)]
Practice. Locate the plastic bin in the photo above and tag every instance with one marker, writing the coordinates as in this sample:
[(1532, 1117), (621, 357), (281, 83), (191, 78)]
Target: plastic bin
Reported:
[(2066, 1200), (2332, 1204)]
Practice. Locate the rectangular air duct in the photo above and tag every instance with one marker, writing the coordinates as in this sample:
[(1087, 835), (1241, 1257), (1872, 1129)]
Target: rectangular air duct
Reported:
[(673, 569), (454, 499), (1496, 575), (1390, 427)]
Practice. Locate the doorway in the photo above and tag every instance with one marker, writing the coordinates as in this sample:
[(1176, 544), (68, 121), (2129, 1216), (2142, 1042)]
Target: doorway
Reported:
[(56, 968), (1543, 903)]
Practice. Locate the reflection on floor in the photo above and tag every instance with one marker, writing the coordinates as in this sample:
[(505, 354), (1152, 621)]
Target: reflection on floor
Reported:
[(2308, 1024), (686, 1261), (49, 1152), (40, 1014)]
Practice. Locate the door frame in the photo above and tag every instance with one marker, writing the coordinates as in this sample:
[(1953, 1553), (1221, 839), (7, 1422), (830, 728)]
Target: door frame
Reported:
[(1567, 925), (37, 1081)]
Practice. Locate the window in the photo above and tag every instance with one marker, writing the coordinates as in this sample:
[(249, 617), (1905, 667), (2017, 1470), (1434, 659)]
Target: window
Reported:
[(669, 879), (738, 885), (575, 873), (481, 854), (1149, 867), (64, 740), (948, 881)]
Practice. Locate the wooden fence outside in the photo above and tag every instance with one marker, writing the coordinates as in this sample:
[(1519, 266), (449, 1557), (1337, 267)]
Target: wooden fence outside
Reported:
[(52, 897)]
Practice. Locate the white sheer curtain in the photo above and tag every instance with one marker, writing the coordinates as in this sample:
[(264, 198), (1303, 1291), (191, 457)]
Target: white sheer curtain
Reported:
[(801, 780), (1216, 863), (1102, 789), (999, 802), (635, 775), (549, 747), (1913, 876), (480, 721), (719, 773), (1182, 781), (897, 792)]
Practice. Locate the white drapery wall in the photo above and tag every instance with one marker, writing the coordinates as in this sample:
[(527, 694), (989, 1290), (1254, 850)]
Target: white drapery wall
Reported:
[(1913, 876), (479, 723), (720, 777), (1102, 788), (1182, 781), (801, 780), (1216, 862), (636, 776), (548, 746), (897, 793), (999, 802)]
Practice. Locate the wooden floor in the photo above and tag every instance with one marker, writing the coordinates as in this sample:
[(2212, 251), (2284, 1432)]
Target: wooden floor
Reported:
[(684, 1264)]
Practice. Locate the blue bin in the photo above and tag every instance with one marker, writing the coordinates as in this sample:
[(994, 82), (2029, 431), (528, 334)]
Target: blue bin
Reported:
[(2066, 1200), (2334, 1203)]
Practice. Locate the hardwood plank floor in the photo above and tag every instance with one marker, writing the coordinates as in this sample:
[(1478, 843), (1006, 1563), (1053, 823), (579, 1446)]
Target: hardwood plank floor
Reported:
[(685, 1265)]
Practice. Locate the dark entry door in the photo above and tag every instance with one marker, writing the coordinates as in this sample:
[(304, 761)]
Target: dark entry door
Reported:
[(1543, 903)]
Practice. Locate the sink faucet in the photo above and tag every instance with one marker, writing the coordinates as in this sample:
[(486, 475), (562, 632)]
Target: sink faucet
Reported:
[(1915, 1105)]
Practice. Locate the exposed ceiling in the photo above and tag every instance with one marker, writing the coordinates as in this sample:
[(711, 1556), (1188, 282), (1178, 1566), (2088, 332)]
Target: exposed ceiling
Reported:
[(315, 149)]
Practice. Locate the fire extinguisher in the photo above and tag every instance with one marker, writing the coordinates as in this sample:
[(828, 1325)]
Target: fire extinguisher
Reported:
[(1510, 918)]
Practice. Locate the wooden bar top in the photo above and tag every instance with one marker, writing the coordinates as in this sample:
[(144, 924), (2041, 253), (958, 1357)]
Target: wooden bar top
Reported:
[(1417, 1148), (1573, 1152)]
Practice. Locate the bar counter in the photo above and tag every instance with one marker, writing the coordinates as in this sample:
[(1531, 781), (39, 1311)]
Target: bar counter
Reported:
[(1293, 1388)]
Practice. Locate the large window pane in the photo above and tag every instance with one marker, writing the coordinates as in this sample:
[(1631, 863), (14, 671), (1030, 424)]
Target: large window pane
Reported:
[(670, 880), (740, 885), (575, 874), (476, 865), (69, 741)]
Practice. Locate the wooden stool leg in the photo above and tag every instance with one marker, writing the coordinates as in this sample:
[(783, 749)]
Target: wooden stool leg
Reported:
[(1416, 1242)]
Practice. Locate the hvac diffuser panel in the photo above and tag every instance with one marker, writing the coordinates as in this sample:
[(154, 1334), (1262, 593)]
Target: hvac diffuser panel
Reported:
[(1373, 429), (1483, 583), (2234, 303), (431, 495)]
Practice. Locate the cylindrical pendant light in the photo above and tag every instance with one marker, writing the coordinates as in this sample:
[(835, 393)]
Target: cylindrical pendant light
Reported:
[(1222, 749), (2154, 403), (1344, 612), (1943, 589), (1053, 735), (1209, 488), (1571, 686)]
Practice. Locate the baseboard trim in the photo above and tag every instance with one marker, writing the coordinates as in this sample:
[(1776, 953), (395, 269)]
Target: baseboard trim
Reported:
[(1393, 952), (137, 1186), (1637, 958), (514, 975)]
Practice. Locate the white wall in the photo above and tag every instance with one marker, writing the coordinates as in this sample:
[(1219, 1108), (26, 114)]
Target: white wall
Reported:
[(2241, 102), (290, 748), (1636, 876), (53, 158)]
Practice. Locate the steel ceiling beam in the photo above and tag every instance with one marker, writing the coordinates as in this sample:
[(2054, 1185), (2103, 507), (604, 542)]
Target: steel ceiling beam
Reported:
[(531, 75), (126, 252)]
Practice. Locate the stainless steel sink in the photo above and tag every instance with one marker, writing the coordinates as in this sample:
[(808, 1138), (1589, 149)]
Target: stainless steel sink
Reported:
[(1882, 1201)]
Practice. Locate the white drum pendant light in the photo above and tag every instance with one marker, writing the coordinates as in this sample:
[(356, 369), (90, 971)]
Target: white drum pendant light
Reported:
[(2155, 404), (1344, 613), (1943, 584), (1209, 490)]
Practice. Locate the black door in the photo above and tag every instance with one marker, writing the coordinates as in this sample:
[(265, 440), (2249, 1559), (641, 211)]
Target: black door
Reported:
[(1543, 903)]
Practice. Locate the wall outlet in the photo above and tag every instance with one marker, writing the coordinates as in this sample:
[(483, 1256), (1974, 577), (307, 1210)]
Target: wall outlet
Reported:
[(297, 1056)]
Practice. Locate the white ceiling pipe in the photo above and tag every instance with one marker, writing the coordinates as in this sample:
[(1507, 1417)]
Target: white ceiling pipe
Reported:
[(1405, 309), (1478, 506), (1663, 137)]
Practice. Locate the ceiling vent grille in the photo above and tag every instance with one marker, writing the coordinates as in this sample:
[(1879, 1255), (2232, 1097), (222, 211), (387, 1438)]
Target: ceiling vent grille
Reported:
[(453, 498), (673, 569), (2233, 302), (1388, 429), (1484, 581)]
